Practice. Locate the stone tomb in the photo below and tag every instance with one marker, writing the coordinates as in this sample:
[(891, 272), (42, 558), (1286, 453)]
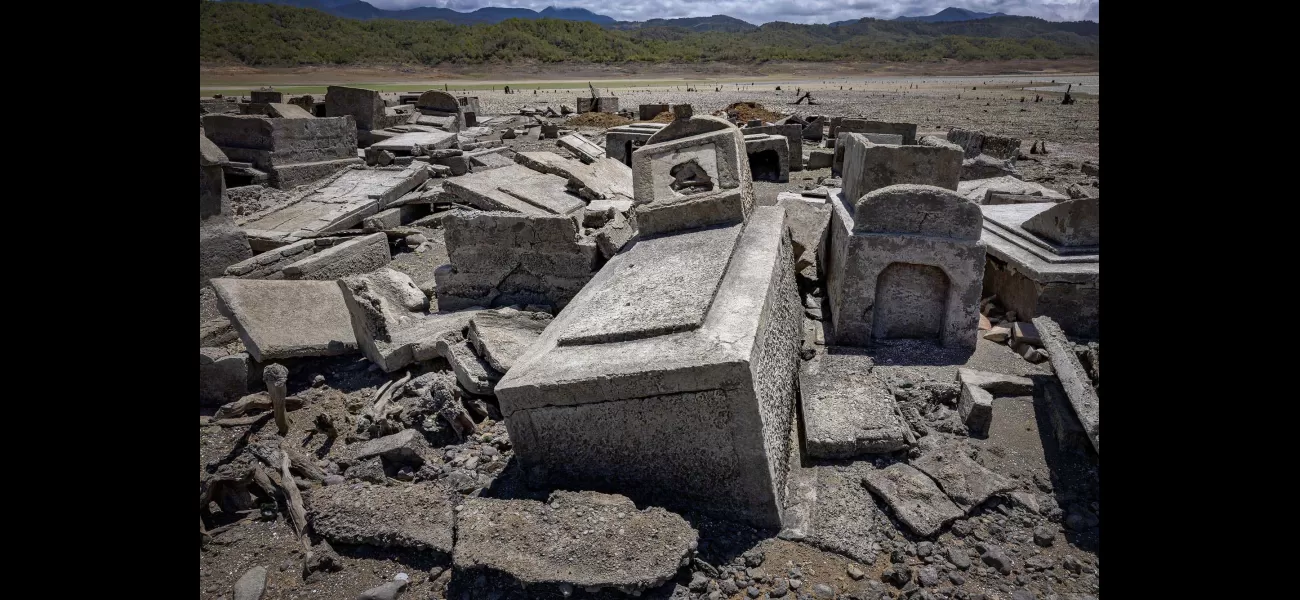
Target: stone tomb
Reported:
[(906, 130), (869, 166), (290, 151), (336, 204), (366, 107), (769, 157), (454, 115), (621, 141), (692, 173), (905, 261), (1044, 260), (977, 142), (837, 163), (692, 322), (793, 133)]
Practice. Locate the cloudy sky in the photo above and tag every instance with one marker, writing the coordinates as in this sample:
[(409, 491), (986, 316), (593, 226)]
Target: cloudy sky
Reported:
[(792, 11)]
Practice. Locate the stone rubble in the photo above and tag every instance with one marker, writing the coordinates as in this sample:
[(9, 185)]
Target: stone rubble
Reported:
[(523, 352)]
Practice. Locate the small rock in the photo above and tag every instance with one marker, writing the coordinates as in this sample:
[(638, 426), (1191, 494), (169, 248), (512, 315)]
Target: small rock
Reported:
[(1072, 564), (1044, 536), (824, 591), (779, 590), (415, 239), (1023, 594), (956, 578), (318, 380), (752, 592), (252, 585), (958, 558), (996, 558), (728, 587), (699, 582), (385, 158), (997, 334), (928, 577), (985, 324), (856, 573), (896, 575), (924, 549), (754, 558), (387, 591)]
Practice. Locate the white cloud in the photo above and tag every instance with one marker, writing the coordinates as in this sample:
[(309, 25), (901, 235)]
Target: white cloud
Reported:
[(793, 11)]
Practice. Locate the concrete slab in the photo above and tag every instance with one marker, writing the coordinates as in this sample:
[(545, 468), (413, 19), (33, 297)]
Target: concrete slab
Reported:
[(979, 190), (350, 257), (388, 318), (502, 335), (846, 411), (663, 285), (586, 539), (581, 147), (967, 483), (287, 319), (915, 499), (515, 188), (1078, 387), (341, 202), (416, 142), (415, 516), (603, 179)]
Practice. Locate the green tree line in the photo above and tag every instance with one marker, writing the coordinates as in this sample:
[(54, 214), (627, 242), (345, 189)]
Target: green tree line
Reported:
[(272, 35)]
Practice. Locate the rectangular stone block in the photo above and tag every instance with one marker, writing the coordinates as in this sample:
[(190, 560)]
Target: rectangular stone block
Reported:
[(626, 416), (975, 409), (793, 133), (869, 166), (342, 202), (515, 188), (768, 156), (581, 147), (621, 141), (689, 182), (907, 131), (265, 96), (977, 142), (650, 111), (846, 411), (287, 319), (364, 106), (1074, 379), (351, 257)]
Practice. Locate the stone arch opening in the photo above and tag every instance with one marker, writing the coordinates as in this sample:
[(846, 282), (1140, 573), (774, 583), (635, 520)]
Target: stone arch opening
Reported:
[(765, 165), (911, 302)]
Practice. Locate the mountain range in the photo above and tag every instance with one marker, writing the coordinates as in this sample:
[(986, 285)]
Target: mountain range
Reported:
[(355, 9)]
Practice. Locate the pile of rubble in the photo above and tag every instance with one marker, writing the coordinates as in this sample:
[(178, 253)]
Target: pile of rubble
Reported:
[(617, 373)]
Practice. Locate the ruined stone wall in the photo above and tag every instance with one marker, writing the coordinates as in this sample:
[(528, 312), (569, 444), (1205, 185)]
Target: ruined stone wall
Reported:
[(269, 142)]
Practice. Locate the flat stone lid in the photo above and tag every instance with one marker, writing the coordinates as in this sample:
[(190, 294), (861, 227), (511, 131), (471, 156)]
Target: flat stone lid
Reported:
[(1007, 220), (662, 285), (406, 141)]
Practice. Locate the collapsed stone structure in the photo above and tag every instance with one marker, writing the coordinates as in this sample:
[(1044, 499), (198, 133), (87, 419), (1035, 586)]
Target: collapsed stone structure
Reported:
[(621, 141), (366, 108), (1044, 259), (446, 111), (291, 151), (643, 365)]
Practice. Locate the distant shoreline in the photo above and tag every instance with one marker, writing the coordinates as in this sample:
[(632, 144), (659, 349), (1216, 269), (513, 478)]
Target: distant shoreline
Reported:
[(218, 77)]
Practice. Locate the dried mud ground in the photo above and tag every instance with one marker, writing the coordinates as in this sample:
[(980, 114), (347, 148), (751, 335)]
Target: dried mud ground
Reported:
[(1063, 486)]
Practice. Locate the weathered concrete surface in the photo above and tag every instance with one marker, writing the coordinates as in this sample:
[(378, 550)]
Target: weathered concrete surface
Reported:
[(506, 259), (286, 319), (603, 179), (768, 156), (387, 314), (404, 447), (1036, 276), (638, 401), (581, 147), (415, 143), (905, 131), (251, 585), (515, 188), (339, 203), (906, 262), (221, 244), (1078, 388), (975, 409), (586, 539), (351, 257), (417, 516), (291, 151), (985, 166), (222, 377), (869, 167), (665, 285), (366, 107), (976, 142), (828, 507), (622, 141), (914, 498), (502, 335), (1069, 223), (287, 111), (980, 190), (807, 218), (967, 483), (472, 371), (698, 180), (793, 133), (846, 411), (996, 383)]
